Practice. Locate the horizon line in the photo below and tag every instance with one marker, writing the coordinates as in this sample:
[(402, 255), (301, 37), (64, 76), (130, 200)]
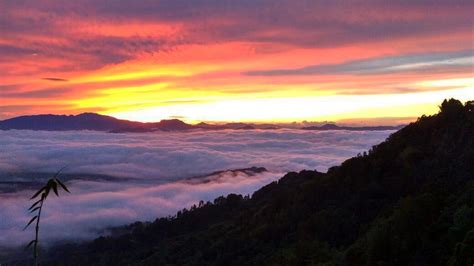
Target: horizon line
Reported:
[(367, 121)]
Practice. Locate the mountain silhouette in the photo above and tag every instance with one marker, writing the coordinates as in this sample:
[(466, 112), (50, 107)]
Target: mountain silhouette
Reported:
[(97, 122), (85, 121), (89, 121), (163, 125), (361, 128)]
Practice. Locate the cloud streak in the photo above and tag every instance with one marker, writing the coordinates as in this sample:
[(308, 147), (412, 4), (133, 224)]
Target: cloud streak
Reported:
[(55, 79), (42, 93), (382, 65)]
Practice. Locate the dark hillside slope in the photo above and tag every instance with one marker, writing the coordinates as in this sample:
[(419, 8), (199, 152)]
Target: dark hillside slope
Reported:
[(409, 201)]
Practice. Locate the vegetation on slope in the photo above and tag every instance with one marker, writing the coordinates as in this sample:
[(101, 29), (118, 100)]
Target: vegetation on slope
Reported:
[(408, 201)]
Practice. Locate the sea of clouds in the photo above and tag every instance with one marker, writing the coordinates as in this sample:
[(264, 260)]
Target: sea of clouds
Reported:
[(151, 172)]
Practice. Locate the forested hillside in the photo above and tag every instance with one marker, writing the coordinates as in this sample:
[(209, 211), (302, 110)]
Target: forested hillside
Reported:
[(407, 201)]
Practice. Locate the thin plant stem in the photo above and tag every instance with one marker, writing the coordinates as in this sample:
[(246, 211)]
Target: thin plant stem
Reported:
[(37, 230)]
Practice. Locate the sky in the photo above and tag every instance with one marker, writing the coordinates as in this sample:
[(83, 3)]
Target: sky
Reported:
[(247, 60)]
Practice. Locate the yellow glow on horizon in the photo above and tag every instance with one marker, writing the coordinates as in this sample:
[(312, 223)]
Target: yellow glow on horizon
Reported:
[(301, 108), (459, 82)]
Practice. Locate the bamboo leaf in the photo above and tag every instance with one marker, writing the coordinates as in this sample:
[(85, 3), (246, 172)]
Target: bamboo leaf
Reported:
[(37, 193), (62, 185), (35, 209), (55, 188), (31, 221), (35, 204), (46, 192), (31, 243)]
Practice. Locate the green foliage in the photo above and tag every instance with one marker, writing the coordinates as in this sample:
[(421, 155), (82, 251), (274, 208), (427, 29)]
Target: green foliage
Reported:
[(40, 196), (409, 201)]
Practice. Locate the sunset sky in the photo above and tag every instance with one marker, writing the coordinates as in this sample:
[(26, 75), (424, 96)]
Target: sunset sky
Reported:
[(246, 60)]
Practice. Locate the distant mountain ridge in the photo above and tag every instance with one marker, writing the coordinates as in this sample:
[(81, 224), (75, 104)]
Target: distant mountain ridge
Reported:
[(97, 122), (89, 121), (85, 121), (359, 128)]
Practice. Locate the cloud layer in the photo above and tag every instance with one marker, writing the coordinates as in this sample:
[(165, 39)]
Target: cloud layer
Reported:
[(170, 156), (151, 170)]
